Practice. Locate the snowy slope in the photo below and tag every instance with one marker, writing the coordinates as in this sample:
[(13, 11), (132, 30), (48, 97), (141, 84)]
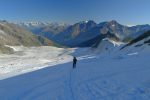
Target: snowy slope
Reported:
[(117, 76), (33, 58)]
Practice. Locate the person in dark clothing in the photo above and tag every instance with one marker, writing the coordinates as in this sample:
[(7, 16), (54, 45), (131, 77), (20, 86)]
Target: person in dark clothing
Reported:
[(74, 62)]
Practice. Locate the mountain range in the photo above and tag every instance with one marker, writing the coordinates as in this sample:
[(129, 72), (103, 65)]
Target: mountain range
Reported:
[(80, 34)]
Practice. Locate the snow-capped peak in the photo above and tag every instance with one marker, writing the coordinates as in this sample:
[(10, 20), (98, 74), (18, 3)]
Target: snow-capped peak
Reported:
[(86, 21), (113, 25)]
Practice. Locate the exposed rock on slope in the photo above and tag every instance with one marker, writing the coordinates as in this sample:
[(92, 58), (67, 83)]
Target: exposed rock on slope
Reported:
[(12, 35)]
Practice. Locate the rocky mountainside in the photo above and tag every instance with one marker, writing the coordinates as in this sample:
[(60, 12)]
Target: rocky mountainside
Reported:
[(143, 39), (46, 29), (12, 35), (77, 33), (123, 32)]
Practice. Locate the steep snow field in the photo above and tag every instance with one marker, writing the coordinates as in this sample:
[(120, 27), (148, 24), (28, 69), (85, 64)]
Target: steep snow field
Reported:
[(120, 75)]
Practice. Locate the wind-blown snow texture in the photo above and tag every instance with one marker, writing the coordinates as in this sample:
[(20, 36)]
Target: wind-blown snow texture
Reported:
[(123, 75)]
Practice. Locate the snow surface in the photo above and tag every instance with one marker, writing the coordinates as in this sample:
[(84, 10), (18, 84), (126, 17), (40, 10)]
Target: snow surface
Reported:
[(28, 59), (2, 32), (113, 25), (109, 76)]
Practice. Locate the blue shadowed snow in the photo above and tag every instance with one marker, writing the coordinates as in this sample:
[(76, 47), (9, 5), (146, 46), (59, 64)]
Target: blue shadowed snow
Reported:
[(94, 79)]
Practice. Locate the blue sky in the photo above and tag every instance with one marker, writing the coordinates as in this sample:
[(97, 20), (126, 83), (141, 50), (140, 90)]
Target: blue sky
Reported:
[(128, 12)]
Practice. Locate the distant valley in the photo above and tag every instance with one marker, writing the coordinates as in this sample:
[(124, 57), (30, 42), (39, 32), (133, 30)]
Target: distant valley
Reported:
[(81, 34)]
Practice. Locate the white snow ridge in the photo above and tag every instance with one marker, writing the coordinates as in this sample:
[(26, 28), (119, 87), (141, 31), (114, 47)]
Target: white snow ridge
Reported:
[(46, 73)]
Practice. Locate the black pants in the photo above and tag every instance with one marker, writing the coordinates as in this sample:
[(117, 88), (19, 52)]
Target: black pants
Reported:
[(74, 65)]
